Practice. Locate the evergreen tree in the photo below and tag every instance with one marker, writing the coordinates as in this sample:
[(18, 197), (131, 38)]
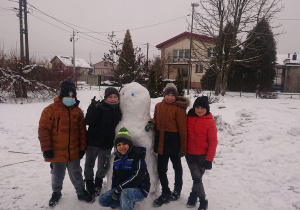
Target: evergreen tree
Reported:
[(160, 86), (127, 66), (151, 85), (179, 84), (260, 45)]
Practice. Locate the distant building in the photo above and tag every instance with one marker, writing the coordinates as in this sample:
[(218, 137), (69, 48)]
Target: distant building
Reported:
[(65, 63), (105, 69), (287, 73), (175, 54)]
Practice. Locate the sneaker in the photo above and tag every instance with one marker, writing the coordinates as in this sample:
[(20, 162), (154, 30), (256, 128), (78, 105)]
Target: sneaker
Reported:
[(192, 200), (97, 191), (203, 204), (54, 199), (85, 196), (162, 200), (175, 195)]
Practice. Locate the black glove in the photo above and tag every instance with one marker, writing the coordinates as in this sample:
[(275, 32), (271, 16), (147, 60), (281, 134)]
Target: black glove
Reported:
[(115, 196), (182, 154), (93, 101), (48, 154), (149, 126), (81, 154), (208, 165)]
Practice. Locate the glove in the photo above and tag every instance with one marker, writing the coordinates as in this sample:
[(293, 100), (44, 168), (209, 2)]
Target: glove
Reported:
[(115, 196), (208, 165), (182, 154), (81, 154), (93, 101), (48, 154), (149, 126)]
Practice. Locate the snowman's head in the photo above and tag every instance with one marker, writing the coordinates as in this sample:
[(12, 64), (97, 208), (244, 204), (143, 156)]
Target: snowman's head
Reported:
[(134, 99)]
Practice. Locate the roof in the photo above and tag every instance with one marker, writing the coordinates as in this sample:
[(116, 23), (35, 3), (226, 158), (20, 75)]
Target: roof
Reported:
[(198, 36), (282, 57), (67, 61)]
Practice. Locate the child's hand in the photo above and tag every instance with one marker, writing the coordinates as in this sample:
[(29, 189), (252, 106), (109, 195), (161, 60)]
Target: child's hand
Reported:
[(149, 126), (48, 154), (182, 154), (93, 101), (208, 165), (115, 196)]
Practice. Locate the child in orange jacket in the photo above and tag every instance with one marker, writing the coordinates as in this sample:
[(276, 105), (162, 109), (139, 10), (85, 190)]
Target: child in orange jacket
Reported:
[(201, 148)]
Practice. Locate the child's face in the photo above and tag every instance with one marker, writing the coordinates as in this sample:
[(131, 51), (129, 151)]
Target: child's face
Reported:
[(113, 98), (122, 148), (200, 111), (170, 98)]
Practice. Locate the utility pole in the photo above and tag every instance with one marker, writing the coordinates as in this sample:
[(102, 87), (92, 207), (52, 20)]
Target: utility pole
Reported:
[(21, 31), (26, 33), (74, 72)]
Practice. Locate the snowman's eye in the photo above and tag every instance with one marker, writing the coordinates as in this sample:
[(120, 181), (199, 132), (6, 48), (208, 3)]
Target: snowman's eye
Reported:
[(122, 93), (132, 94)]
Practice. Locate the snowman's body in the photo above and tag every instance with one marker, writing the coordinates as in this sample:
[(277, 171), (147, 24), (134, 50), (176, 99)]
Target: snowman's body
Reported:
[(135, 105)]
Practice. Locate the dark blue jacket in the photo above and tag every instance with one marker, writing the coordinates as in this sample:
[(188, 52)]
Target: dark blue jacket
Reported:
[(131, 171)]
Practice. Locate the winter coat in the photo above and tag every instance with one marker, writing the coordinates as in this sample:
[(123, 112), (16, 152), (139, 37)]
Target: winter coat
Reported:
[(62, 129), (102, 120), (131, 171), (202, 136), (170, 121)]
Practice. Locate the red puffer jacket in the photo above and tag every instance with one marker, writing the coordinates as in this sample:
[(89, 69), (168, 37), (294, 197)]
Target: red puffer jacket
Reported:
[(202, 136)]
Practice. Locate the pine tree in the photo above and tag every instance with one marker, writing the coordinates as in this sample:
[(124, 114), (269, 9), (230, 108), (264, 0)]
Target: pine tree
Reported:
[(151, 85), (179, 84), (127, 66), (261, 45), (160, 86)]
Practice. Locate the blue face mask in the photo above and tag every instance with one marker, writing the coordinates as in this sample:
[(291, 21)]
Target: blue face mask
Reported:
[(69, 101)]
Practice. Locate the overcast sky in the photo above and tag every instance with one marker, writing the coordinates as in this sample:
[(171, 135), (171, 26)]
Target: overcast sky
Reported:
[(149, 21)]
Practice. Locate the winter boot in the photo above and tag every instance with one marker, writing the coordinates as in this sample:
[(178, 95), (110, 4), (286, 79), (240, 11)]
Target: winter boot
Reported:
[(86, 197), (90, 187), (203, 204), (192, 200), (164, 198), (98, 186), (54, 199), (175, 194)]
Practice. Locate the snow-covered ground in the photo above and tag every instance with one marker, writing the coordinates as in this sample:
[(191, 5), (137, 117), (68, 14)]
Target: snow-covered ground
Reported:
[(257, 164)]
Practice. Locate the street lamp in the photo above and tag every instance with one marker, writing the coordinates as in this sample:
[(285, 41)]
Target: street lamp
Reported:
[(189, 71), (72, 39)]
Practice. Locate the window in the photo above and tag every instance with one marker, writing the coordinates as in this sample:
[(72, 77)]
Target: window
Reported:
[(211, 52), (199, 68), (105, 64), (184, 72), (181, 53)]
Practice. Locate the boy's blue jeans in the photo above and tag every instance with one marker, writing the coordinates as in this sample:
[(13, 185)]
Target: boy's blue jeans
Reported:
[(126, 200)]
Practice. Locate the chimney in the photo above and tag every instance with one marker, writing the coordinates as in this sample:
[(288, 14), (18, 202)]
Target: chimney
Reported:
[(288, 55)]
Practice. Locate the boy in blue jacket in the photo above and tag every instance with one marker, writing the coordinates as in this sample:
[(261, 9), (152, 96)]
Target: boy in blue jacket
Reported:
[(130, 181)]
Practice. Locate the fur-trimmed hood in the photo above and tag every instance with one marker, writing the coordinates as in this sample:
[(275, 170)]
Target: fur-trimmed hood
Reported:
[(182, 102)]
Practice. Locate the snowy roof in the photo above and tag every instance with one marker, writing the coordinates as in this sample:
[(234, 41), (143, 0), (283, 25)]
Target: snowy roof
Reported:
[(282, 57), (67, 61)]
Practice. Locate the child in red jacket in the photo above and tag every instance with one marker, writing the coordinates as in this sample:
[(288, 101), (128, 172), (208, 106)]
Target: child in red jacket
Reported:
[(201, 148)]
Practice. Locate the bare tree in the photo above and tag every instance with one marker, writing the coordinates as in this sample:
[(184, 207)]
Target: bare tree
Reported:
[(229, 21)]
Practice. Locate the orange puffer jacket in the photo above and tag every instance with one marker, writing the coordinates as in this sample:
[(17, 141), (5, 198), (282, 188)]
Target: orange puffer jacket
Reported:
[(62, 130), (202, 136)]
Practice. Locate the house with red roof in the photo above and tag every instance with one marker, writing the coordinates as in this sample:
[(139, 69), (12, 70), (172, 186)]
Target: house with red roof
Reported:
[(175, 54)]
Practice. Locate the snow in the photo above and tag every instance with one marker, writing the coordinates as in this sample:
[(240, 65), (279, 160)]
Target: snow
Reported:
[(79, 62), (257, 163)]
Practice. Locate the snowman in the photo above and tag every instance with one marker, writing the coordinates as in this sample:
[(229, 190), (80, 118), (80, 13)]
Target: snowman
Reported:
[(135, 106)]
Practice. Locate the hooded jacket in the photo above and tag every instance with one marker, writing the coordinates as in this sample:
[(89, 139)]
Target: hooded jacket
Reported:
[(170, 121), (131, 171), (102, 121), (202, 135), (62, 129)]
